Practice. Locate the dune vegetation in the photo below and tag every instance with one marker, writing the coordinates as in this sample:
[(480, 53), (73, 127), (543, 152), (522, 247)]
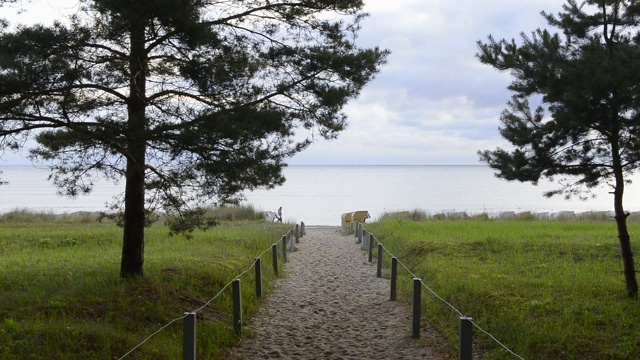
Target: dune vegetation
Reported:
[(62, 298), (545, 289)]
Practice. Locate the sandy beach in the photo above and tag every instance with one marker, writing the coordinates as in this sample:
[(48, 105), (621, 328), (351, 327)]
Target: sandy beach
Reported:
[(331, 305)]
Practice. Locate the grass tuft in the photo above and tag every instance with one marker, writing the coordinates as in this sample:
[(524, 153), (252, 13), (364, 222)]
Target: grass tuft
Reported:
[(236, 213)]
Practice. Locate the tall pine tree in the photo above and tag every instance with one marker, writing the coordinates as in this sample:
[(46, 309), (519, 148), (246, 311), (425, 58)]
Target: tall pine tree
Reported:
[(585, 130), (189, 100)]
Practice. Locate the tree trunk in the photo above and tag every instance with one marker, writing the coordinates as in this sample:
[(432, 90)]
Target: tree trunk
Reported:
[(134, 220), (627, 255), (134, 214), (623, 232)]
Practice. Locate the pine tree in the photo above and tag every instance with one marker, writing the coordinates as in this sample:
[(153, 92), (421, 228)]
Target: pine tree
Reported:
[(584, 129), (190, 101)]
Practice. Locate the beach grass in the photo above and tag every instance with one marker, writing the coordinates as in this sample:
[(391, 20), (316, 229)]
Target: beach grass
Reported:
[(61, 296), (545, 289)]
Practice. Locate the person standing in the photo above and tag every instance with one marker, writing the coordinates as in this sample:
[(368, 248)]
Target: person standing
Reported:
[(280, 214)]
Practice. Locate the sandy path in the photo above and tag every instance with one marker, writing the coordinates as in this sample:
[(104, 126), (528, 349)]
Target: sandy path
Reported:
[(331, 305)]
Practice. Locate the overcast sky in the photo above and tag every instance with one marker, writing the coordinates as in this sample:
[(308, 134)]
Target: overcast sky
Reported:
[(434, 103)]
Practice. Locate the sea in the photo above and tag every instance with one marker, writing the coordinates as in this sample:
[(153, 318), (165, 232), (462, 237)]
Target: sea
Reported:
[(319, 195)]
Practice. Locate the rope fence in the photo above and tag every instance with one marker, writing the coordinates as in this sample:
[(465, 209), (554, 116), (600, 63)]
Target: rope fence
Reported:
[(189, 318), (466, 323), (287, 244)]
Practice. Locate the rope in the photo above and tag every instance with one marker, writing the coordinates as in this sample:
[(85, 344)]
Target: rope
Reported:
[(496, 340), (434, 293), (152, 335), (209, 302)]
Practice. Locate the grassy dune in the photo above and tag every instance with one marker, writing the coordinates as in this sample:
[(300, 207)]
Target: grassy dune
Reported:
[(547, 290), (61, 297)]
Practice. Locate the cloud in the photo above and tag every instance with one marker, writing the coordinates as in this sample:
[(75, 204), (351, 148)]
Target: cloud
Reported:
[(407, 130), (434, 102)]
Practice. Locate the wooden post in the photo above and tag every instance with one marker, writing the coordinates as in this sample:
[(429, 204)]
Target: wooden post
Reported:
[(237, 306), (379, 272), (292, 242), (284, 247), (297, 234), (302, 229), (274, 254), (371, 248), (189, 337), (417, 307), (466, 339), (259, 278), (394, 278)]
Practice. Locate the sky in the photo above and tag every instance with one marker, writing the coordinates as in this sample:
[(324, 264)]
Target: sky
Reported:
[(433, 103)]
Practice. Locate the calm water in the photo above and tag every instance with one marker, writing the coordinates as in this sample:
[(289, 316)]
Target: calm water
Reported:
[(318, 195)]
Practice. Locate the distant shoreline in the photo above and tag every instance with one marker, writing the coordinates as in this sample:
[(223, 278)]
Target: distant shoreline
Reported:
[(416, 214)]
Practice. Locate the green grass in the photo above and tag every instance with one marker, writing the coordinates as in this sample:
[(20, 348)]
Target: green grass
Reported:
[(61, 297), (547, 290)]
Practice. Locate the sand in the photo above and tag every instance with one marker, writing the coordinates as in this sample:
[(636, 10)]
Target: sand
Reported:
[(331, 305)]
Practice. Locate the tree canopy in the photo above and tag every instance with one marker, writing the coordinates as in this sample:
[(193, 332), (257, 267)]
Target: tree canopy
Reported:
[(584, 125), (189, 101)]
